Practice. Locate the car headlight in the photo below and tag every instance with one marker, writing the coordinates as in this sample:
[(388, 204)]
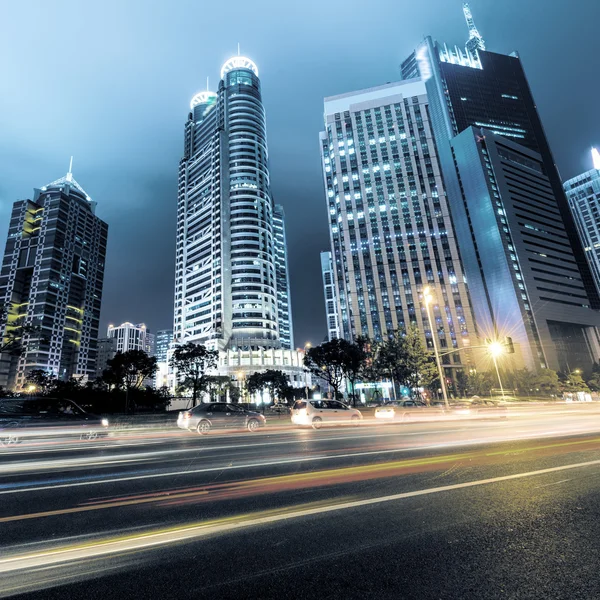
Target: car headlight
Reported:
[(104, 422)]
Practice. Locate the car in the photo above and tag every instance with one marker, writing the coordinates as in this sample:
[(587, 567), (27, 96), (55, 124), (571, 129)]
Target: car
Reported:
[(279, 409), (35, 417), (316, 413), (409, 410), (219, 415)]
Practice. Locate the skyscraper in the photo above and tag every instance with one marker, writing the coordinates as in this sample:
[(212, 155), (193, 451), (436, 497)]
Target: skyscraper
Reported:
[(163, 340), (331, 305), (51, 278), (390, 228), (132, 337), (284, 299), (583, 193), (226, 267), (530, 228)]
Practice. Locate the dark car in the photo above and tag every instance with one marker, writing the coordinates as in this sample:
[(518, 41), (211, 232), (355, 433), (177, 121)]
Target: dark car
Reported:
[(33, 418), (219, 415), (280, 409)]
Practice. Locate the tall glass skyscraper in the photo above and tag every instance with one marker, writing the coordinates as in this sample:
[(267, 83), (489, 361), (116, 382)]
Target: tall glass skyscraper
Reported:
[(528, 276), (583, 193), (51, 278), (226, 292), (391, 234), (284, 299)]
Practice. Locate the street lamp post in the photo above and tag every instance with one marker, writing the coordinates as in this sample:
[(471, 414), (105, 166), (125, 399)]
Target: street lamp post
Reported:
[(496, 349), (428, 298), (306, 347)]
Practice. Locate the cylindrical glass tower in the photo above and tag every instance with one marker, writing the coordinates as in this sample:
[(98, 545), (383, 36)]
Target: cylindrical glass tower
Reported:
[(253, 282)]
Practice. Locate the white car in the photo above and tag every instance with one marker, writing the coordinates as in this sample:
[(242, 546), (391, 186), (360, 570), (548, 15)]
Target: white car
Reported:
[(318, 413)]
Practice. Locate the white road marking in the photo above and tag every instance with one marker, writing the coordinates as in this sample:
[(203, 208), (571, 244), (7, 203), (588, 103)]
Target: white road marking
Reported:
[(147, 540)]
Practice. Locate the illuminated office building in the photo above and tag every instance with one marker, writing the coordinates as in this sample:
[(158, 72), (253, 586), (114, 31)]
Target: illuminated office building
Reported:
[(226, 283), (390, 229), (51, 278), (583, 193)]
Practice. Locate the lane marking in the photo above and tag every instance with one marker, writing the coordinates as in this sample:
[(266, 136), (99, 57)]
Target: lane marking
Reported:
[(180, 533), (459, 444)]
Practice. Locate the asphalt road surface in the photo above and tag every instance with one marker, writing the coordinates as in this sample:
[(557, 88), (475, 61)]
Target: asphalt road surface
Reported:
[(457, 509)]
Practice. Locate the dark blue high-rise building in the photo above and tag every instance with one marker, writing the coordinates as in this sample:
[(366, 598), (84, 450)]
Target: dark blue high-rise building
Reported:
[(527, 274)]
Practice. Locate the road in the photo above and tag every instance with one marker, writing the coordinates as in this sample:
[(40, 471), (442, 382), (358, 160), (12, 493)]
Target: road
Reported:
[(441, 510)]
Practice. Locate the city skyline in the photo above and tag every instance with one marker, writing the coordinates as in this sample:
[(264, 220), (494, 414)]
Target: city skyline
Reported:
[(152, 281)]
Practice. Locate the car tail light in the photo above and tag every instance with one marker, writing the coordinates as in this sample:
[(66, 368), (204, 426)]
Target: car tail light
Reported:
[(187, 415)]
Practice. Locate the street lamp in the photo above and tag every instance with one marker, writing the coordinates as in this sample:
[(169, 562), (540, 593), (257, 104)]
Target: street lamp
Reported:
[(428, 298), (306, 347), (497, 349)]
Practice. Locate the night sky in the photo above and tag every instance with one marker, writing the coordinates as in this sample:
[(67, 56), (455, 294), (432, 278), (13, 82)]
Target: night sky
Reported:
[(110, 83)]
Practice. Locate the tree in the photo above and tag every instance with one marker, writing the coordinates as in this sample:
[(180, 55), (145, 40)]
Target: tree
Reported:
[(355, 361), (421, 370), (461, 382), (40, 380), (574, 383), (277, 382), (128, 370), (191, 363), (479, 384), (255, 382), (216, 386), (594, 380), (328, 361), (547, 382)]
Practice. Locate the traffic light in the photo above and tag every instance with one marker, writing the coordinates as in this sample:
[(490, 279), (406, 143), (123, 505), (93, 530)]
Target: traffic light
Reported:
[(510, 348)]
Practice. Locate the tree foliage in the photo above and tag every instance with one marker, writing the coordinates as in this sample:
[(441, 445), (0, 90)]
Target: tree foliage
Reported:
[(128, 370), (42, 381), (329, 362), (273, 380), (191, 363)]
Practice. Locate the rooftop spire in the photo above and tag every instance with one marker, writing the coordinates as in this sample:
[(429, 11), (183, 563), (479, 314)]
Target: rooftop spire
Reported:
[(69, 176), (596, 158), (475, 42)]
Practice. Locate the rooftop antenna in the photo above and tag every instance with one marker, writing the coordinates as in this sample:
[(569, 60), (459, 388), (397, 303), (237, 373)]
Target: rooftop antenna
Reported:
[(70, 173), (238, 48), (475, 42), (596, 158), (207, 83)]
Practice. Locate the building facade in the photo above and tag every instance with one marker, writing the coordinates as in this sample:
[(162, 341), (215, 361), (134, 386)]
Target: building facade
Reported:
[(51, 278), (284, 298), (162, 343), (474, 88), (391, 234), (331, 305), (583, 193), (107, 348), (132, 337), (226, 292)]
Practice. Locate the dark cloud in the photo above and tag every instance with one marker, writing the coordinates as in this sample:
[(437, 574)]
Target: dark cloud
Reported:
[(110, 83)]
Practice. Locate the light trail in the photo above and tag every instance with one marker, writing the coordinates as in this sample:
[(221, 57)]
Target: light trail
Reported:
[(310, 479), (160, 537), (16, 488)]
